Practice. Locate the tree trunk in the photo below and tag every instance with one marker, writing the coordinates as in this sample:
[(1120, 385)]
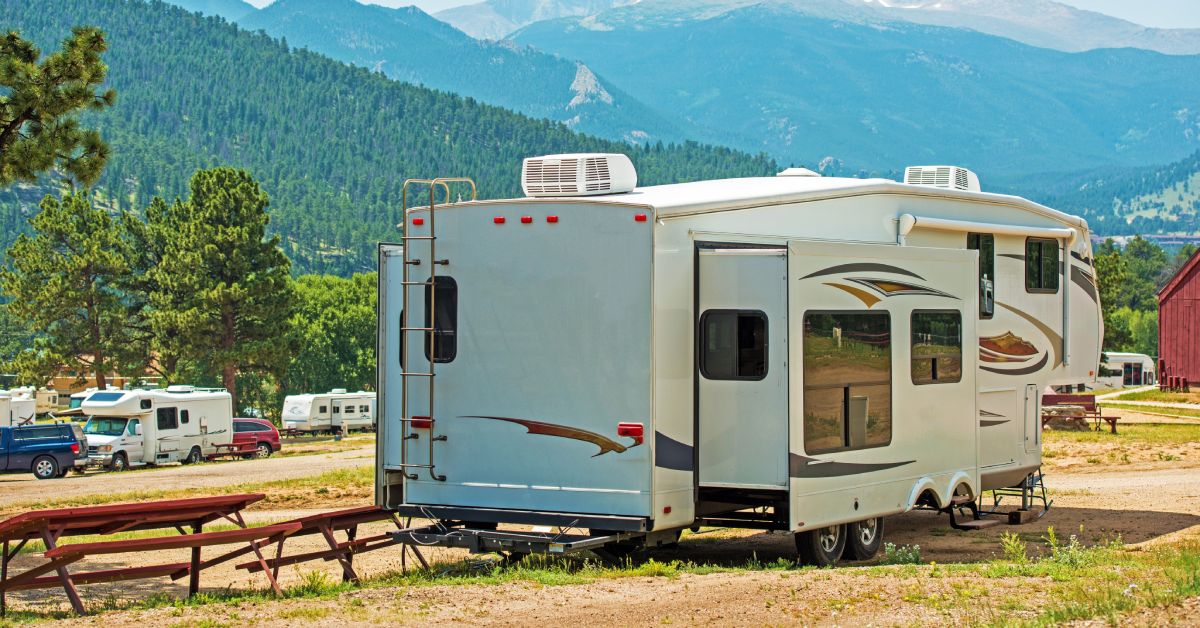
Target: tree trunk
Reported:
[(229, 381), (230, 368)]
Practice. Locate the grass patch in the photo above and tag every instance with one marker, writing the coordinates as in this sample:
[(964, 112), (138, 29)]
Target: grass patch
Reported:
[(1163, 397), (1132, 434), (1187, 413)]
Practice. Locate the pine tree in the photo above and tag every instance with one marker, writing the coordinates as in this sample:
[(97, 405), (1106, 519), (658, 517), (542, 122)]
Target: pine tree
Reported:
[(222, 293), (65, 282), (38, 125)]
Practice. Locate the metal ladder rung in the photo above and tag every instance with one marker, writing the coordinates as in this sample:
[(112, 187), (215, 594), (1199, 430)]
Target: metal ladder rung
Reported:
[(413, 465), (416, 375), (428, 420), (414, 283), (406, 238), (416, 329)]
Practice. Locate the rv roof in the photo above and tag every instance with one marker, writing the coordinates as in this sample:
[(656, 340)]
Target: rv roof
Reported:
[(730, 194)]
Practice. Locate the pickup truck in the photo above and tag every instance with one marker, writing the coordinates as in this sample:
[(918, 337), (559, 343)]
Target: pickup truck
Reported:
[(46, 450)]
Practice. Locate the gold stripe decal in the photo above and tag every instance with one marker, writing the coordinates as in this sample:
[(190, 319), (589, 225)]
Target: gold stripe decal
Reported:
[(867, 298)]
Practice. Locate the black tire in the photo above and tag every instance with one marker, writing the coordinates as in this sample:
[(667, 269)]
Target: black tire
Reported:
[(821, 547), (119, 462), (863, 539), (45, 468), (263, 450), (193, 456)]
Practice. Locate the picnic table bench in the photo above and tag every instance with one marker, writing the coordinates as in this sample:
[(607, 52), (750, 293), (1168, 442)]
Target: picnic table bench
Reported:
[(49, 526), (237, 450), (1082, 406)]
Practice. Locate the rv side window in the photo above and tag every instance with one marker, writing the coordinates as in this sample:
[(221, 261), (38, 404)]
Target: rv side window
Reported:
[(168, 419), (324, 409), (936, 347), (444, 292), (364, 408), (1041, 265), (337, 409), (847, 381), (733, 345), (985, 243), (145, 404), (133, 425), (183, 416)]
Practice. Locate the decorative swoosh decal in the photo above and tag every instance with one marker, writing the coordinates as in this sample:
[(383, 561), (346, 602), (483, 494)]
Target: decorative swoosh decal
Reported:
[(1009, 345), (605, 443), (1025, 371), (672, 454), (862, 267), (1082, 280), (889, 288), (985, 356), (867, 298), (1055, 338), (990, 423), (987, 413), (812, 468)]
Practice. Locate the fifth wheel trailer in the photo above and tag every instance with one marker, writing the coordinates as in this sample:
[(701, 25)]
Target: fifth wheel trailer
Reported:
[(793, 353)]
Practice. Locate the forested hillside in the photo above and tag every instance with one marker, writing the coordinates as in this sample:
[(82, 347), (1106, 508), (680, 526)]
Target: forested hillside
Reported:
[(331, 144)]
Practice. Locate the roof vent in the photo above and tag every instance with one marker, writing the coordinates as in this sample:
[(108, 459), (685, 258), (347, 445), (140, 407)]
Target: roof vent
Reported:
[(798, 172), (578, 175), (180, 388), (946, 177), (338, 391)]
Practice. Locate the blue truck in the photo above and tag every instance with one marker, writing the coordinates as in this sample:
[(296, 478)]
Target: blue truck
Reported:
[(46, 450)]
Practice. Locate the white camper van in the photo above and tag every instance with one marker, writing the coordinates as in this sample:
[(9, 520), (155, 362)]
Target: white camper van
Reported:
[(1127, 369), (145, 427), (793, 353), (334, 411)]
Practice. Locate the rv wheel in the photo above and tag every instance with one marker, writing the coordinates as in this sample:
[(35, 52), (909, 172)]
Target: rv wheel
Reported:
[(119, 462), (193, 456), (863, 539), (822, 547), (45, 468)]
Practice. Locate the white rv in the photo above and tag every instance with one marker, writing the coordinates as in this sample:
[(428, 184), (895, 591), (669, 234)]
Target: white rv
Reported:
[(17, 407), (793, 353), (334, 411), (1127, 369), (145, 427), (46, 400)]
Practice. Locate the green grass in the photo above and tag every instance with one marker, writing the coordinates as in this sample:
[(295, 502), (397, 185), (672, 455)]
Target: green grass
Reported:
[(1160, 396), (1163, 410), (1131, 434)]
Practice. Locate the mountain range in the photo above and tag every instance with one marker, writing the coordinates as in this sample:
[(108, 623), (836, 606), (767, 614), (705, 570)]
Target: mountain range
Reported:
[(495, 19), (330, 143), (796, 81), (409, 45)]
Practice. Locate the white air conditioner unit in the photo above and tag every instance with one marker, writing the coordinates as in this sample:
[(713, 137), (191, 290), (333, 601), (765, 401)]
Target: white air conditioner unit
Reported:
[(946, 177), (578, 175)]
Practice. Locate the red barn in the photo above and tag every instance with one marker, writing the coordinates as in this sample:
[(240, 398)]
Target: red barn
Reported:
[(1179, 325)]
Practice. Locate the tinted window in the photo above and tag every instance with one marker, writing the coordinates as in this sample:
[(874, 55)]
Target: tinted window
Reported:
[(30, 433), (105, 396), (246, 426), (444, 294), (733, 344), (184, 416), (364, 408), (1041, 265), (324, 409), (167, 419), (985, 243), (133, 425), (847, 381), (936, 347), (337, 409), (145, 404)]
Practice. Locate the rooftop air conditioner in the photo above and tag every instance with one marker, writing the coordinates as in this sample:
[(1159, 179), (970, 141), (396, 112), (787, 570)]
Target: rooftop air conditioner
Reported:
[(578, 175), (946, 177)]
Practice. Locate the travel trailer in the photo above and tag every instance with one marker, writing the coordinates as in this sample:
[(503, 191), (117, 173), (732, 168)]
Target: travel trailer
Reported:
[(17, 407), (145, 427), (334, 411), (793, 353), (1126, 369), (45, 400)]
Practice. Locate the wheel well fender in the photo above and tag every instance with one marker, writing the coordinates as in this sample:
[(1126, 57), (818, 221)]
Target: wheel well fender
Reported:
[(920, 487), (961, 478)]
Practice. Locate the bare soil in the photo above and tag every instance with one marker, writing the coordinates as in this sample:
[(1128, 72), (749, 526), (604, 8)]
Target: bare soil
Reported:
[(1145, 502)]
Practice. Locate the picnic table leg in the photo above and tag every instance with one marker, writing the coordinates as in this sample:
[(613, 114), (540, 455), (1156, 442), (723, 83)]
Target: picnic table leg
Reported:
[(194, 572), (64, 575), (351, 535), (3, 577), (348, 574), (262, 562)]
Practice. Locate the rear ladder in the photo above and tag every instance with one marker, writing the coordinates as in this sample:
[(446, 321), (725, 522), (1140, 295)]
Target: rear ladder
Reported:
[(406, 419)]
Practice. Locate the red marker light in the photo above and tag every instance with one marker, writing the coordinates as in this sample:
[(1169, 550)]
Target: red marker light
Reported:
[(498, 220), (418, 221), (632, 430), (640, 218), (551, 219), (422, 422), (526, 220), (666, 510)]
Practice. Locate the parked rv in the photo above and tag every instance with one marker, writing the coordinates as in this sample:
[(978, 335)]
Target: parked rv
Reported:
[(334, 411), (1127, 369), (794, 353), (17, 408), (146, 427)]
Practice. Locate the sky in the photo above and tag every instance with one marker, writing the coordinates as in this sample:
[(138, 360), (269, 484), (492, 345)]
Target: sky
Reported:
[(1158, 13)]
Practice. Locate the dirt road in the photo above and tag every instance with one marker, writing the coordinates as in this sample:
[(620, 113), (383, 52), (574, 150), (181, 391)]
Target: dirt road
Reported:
[(17, 490)]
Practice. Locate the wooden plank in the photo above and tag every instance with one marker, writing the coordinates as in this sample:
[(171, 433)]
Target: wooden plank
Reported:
[(174, 542), (145, 515), (108, 575), (384, 540)]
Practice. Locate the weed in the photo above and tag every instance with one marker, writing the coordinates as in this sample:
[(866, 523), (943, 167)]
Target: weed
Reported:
[(1014, 548), (901, 555)]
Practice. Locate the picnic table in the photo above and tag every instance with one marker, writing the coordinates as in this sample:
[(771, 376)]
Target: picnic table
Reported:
[(1078, 409), (182, 515)]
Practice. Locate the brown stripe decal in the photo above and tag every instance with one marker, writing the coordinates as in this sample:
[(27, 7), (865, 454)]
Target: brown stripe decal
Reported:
[(605, 443), (1025, 371), (812, 468), (863, 267)]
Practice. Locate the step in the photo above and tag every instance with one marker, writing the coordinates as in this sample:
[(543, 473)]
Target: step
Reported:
[(960, 500), (978, 524)]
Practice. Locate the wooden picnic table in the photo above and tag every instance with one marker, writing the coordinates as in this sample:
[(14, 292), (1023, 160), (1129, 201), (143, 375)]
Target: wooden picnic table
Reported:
[(50, 526)]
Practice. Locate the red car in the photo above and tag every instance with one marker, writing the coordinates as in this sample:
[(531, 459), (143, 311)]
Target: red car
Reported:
[(258, 435)]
